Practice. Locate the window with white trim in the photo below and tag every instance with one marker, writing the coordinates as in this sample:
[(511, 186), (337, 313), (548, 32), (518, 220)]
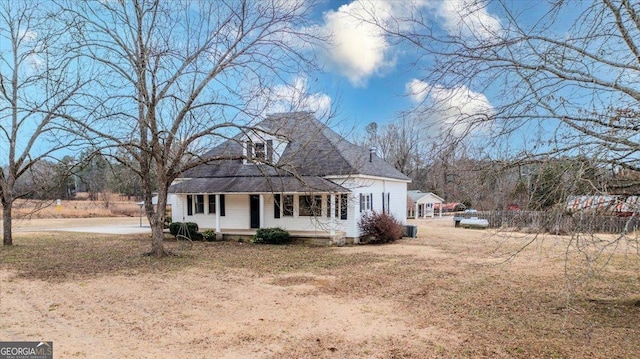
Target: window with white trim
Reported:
[(366, 202), (344, 202), (287, 205), (309, 205), (212, 204), (260, 151), (199, 203), (341, 203)]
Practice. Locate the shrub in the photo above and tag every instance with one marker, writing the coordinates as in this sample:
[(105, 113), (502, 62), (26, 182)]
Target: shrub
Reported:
[(378, 228), (275, 235), (176, 228), (209, 235)]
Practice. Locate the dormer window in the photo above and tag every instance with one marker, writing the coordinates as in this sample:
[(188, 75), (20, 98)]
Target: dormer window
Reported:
[(260, 151)]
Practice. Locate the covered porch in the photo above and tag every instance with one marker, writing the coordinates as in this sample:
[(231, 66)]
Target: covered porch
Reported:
[(315, 238), (312, 209)]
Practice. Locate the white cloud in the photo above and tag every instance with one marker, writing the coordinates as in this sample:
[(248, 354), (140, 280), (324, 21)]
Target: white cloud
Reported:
[(417, 90), (450, 110), (296, 97), (467, 18), (357, 49)]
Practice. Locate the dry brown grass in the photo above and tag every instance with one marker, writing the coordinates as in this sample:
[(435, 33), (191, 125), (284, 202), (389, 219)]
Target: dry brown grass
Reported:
[(456, 290), (82, 208)]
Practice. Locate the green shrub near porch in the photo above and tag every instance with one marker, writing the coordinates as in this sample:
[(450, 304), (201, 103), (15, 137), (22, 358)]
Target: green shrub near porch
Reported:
[(192, 228), (274, 235)]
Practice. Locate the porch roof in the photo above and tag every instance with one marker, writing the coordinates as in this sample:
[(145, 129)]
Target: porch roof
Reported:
[(305, 184)]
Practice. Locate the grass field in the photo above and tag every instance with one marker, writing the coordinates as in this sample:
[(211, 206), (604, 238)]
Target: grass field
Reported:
[(82, 207), (450, 293)]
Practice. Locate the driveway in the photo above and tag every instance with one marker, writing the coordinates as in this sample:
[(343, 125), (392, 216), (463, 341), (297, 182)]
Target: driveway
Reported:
[(107, 225)]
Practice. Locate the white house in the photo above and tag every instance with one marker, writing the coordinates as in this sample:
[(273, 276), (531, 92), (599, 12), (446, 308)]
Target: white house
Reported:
[(422, 205), (290, 171)]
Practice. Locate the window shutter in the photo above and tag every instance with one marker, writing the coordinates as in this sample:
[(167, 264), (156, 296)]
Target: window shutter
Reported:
[(361, 202), (189, 205), (276, 206), (269, 150), (222, 205), (249, 150), (384, 209), (389, 202), (371, 196)]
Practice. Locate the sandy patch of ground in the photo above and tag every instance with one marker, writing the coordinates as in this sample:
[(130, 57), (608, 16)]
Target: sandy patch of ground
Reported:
[(196, 314)]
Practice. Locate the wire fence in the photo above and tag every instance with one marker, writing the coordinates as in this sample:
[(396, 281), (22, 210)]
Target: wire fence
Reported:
[(553, 222)]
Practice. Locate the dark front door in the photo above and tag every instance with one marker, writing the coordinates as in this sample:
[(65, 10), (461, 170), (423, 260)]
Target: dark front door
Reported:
[(254, 210)]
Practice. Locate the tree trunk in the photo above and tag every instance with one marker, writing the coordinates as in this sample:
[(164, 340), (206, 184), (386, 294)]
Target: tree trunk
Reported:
[(7, 238), (156, 221), (157, 239)]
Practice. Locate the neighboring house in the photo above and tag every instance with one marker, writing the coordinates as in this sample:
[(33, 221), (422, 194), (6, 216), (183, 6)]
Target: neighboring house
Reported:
[(290, 171), (422, 205)]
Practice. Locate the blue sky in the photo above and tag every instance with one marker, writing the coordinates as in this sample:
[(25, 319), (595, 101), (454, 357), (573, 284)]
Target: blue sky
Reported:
[(367, 77)]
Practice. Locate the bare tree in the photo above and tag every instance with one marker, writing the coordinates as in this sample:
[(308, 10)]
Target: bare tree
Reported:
[(179, 75), (38, 81), (401, 143), (565, 82)]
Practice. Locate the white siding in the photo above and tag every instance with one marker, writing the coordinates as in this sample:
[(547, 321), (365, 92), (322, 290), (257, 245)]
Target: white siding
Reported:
[(178, 204), (374, 187), (237, 212)]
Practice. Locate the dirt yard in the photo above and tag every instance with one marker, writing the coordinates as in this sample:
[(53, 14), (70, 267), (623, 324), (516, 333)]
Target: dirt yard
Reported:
[(449, 293)]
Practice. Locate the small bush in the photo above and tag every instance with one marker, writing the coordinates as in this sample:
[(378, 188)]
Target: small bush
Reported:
[(273, 235), (176, 228), (209, 235), (379, 228)]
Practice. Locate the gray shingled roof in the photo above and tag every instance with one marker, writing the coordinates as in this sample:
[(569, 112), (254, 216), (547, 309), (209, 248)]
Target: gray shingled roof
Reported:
[(314, 150), (257, 185)]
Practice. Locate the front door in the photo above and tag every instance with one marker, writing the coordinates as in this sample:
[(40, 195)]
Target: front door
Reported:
[(254, 210)]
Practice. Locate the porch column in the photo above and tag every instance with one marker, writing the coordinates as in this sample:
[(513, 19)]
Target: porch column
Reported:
[(415, 214), (218, 230), (261, 206), (332, 215)]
